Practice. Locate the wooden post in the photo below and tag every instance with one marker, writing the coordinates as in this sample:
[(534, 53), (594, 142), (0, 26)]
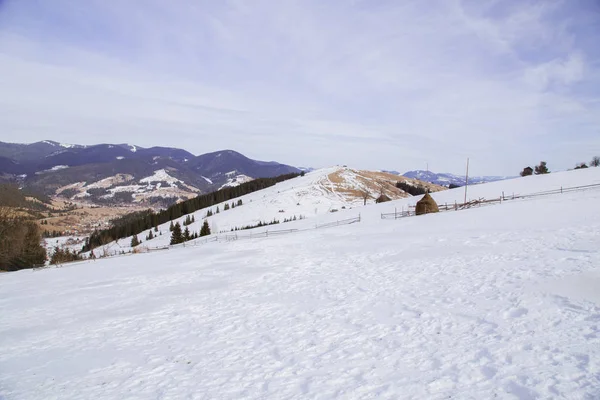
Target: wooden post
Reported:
[(467, 180)]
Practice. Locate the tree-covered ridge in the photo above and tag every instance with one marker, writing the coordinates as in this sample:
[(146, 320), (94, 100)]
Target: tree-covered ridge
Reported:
[(134, 224)]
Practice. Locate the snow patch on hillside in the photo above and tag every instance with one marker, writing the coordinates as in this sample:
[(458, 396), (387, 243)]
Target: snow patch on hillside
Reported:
[(160, 175), (237, 180)]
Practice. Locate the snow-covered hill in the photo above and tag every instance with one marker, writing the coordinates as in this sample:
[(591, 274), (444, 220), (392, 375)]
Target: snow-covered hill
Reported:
[(314, 197), (493, 302)]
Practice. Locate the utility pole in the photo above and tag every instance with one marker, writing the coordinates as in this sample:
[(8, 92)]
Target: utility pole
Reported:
[(466, 180)]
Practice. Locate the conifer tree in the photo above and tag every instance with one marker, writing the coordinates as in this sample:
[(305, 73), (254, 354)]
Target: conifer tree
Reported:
[(171, 227), (155, 228), (205, 231), (217, 210), (226, 207), (134, 241), (239, 202), (186, 234), (193, 218), (176, 235), (541, 169), (150, 236)]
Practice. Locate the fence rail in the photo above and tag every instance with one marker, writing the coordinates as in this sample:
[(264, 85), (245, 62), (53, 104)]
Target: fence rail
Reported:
[(481, 201)]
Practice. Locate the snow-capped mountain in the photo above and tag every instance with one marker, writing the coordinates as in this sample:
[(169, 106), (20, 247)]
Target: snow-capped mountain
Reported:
[(445, 179), (50, 166)]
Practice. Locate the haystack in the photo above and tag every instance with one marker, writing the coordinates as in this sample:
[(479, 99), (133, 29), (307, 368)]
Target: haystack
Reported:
[(382, 199), (426, 205)]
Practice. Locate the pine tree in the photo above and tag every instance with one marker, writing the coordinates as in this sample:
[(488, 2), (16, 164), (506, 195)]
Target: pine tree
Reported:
[(155, 228), (239, 202), (134, 241), (595, 162), (217, 210), (176, 236), (150, 236), (205, 231), (188, 221), (193, 219), (171, 227), (541, 169), (186, 234), (226, 207)]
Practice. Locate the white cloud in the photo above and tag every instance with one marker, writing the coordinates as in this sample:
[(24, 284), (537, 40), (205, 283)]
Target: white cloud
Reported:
[(382, 85)]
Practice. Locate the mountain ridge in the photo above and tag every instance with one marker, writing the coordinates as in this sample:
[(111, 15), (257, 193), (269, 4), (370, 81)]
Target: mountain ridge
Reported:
[(50, 166)]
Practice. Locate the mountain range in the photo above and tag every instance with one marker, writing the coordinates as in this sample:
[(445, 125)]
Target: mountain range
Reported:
[(445, 179), (121, 173)]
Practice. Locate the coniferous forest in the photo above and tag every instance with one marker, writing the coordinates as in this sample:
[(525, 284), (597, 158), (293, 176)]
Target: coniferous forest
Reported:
[(136, 223)]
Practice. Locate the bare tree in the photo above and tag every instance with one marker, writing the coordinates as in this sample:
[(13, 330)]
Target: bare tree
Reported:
[(595, 161)]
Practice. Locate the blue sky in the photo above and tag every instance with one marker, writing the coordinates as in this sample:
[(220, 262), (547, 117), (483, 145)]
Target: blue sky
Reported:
[(376, 84)]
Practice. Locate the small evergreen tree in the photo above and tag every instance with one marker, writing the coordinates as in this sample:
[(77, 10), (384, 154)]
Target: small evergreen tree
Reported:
[(541, 169), (595, 162), (527, 171), (186, 234), (155, 228), (239, 203), (193, 218), (135, 241), (205, 230), (150, 236), (226, 207), (176, 235), (217, 210), (171, 227)]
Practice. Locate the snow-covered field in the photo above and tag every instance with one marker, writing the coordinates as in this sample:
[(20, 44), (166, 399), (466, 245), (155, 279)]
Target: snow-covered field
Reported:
[(494, 302)]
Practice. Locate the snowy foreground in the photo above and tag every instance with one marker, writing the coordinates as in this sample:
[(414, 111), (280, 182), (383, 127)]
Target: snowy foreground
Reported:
[(496, 302)]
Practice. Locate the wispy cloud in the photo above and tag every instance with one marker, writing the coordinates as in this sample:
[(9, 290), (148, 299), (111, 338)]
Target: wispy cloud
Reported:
[(376, 84)]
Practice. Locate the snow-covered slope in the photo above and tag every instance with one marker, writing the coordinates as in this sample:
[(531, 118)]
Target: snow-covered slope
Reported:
[(494, 302), (315, 197)]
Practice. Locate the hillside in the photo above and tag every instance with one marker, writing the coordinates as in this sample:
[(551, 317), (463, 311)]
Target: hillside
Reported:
[(493, 302), (313, 197)]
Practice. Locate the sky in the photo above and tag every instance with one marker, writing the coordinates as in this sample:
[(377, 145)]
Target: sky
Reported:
[(374, 84)]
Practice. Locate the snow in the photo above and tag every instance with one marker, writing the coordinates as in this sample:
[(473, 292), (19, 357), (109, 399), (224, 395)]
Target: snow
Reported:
[(58, 167), (119, 157), (132, 148), (49, 142), (160, 175), (67, 146), (207, 180), (233, 181), (493, 302)]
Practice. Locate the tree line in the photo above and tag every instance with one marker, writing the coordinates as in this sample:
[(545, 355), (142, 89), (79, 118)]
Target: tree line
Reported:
[(20, 242), (136, 223), (542, 167)]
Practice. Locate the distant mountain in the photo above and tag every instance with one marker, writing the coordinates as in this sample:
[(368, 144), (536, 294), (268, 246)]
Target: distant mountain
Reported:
[(444, 179), (130, 170)]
